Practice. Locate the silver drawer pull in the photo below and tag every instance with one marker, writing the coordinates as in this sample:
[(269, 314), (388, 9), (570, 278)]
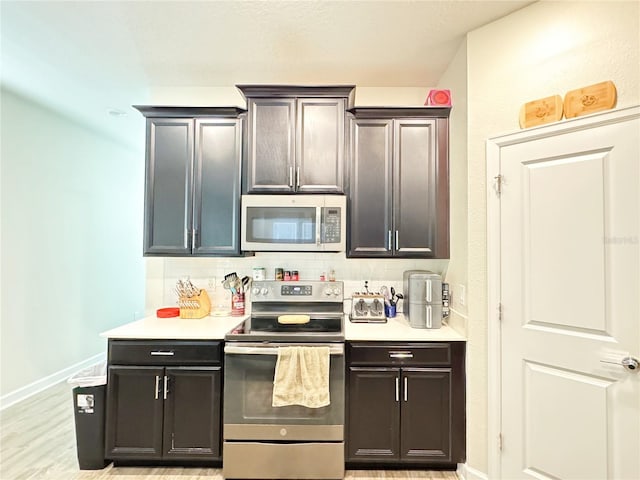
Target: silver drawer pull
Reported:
[(162, 354), (400, 355), (157, 385)]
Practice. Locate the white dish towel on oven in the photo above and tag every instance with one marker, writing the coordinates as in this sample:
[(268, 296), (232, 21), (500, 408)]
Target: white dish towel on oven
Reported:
[(301, 377)]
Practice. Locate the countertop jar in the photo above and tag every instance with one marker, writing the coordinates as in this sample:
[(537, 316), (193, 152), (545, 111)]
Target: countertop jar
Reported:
[(258, 273)]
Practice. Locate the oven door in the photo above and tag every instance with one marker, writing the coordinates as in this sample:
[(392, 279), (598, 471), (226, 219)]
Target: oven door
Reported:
[(248, 389)]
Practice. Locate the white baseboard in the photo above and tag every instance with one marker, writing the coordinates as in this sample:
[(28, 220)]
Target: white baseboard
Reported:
[(25, 392), (465, 472)]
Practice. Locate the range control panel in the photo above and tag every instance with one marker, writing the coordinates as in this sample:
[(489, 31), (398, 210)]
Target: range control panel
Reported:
[(307, 291)]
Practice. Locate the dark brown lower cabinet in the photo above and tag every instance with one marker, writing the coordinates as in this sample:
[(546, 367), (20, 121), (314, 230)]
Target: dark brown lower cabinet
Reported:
[(134, 413), (406, 404), (373, 415), (163, 413)]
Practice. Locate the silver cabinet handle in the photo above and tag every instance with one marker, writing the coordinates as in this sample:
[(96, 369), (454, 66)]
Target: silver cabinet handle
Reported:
[(406, 389), (629, 363), (162, 354), (397, 389), (397, 240), (186, 238), (429, 319), (157, 385), (166, 386), (290, 177), (428, 297), (194, 239), (297, 177), (390, 245), (400, 355)]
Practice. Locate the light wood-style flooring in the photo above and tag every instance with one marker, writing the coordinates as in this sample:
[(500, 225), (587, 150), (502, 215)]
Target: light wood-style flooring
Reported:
[(37, 442)]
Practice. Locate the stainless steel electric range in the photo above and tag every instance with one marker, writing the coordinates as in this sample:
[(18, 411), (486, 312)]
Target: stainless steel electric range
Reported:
[(293, 441)]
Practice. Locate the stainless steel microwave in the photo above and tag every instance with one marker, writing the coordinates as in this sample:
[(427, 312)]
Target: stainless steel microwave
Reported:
[(294, 223)]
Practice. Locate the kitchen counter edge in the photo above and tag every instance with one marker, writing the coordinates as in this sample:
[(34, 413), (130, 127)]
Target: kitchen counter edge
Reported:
[(215, 328), (154, 328), (398, 329)]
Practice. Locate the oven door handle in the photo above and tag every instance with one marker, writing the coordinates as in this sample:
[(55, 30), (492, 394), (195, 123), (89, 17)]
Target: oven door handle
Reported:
[(269, 350)]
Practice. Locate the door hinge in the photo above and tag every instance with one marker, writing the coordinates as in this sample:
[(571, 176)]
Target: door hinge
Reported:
[(497, 184), (500, 312), (500, 441)]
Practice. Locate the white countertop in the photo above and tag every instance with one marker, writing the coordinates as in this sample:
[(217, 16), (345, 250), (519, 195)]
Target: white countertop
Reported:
[(207, 328), (215, 328), (398, 329)]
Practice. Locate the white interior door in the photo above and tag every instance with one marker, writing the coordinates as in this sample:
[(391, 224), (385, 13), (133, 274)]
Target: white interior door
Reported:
[(570, 299)]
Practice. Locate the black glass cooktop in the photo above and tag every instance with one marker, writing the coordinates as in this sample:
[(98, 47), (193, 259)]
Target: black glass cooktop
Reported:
[(269, 328)]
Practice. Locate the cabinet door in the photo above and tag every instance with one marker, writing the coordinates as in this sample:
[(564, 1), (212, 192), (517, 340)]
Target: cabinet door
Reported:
[(415, 194), (271, 142), (217, 186), (168, 196), (374, 415), (192, 413), (427, 415), (370, 197), (320, 145), (134, 413)]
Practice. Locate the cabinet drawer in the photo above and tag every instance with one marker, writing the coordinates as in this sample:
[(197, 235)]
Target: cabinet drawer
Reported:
[(400, 354), (160, 352)]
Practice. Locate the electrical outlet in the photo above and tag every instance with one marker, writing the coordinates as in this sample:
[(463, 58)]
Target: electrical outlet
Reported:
[(461, 294), (211, 283)]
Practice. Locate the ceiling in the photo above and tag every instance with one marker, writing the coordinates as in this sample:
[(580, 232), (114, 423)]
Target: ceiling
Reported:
[(86, 58)]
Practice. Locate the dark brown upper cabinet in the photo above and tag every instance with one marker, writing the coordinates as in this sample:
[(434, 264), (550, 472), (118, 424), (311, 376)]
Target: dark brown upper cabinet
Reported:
[(399, 182), (193, 180), (296, 138)]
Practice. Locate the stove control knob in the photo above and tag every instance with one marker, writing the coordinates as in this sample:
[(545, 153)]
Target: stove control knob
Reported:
[(264, 290), (255, 290), (337, 291), (327, 291)]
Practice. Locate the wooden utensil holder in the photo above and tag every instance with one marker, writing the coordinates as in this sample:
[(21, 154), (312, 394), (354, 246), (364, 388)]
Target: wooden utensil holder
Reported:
[(200, 311)]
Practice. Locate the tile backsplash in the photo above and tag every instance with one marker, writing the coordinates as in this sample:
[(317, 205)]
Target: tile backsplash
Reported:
[(208, 273)]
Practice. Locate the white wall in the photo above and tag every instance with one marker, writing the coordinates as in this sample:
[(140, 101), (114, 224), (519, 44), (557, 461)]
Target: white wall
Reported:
[(455, 79), (162, 273), (547, 48), (231, 96), (72, 261)]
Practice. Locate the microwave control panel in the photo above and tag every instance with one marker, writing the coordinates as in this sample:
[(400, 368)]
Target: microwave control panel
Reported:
[(331, 225)]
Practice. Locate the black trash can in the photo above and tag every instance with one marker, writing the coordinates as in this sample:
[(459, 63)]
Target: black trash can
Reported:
[(89, 406)]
